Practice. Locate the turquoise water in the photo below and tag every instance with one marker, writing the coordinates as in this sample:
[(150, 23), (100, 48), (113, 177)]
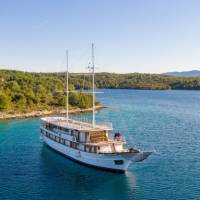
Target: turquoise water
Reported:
[(167, 122)]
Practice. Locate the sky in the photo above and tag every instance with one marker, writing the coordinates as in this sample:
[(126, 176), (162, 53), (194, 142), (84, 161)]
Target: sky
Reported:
[(147, 36)]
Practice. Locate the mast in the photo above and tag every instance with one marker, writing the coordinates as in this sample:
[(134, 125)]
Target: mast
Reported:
[(67, 87), (93, 92)]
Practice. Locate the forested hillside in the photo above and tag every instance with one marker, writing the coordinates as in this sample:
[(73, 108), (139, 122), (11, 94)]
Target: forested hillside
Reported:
[(24, 91), (140, 81)]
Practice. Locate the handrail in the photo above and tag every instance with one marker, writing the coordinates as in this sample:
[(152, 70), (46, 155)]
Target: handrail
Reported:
[(79, 124)]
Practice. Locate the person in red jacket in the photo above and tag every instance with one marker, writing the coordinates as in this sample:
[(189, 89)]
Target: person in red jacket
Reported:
[(117, 135)]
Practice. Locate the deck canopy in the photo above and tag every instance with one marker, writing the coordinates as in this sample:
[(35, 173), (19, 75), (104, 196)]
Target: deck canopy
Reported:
[(77, 125)]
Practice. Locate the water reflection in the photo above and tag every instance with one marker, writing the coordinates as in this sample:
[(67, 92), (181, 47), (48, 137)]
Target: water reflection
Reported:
[(71, 179)]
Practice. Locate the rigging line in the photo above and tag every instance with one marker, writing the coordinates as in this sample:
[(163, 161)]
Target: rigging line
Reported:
[(93, 89), (67, 85)]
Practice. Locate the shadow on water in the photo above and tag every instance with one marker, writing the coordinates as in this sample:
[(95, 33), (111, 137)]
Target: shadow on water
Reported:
[(71, 179)]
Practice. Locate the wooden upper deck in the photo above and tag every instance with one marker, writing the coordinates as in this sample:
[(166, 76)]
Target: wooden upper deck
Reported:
[(77, 125)]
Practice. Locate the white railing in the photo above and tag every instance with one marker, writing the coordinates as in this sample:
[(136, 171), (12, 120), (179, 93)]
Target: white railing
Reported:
[(61, 121)]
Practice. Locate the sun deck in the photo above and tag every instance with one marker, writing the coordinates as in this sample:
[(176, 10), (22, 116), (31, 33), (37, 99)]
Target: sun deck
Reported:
[(77, 125)]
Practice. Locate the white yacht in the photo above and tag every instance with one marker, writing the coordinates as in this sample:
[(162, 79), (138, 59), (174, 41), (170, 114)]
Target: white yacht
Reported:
[(89, 143)]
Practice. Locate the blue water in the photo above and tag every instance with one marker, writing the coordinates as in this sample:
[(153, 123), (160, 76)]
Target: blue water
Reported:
[(167, 122)]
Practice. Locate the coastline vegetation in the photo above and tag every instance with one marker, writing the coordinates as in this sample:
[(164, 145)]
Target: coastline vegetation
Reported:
[(29, 91), (135, 81), (146, 81), (25, 92)]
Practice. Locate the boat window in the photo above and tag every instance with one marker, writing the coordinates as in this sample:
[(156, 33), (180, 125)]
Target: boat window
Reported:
[(57, 139), (119, 162), (67, 143), (52, 137), (70, 144), (74, 145), (62, 141), (48, 135), (92, 149), (87, 148)]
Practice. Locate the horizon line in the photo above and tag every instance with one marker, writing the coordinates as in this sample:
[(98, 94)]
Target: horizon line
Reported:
[(82, 72)]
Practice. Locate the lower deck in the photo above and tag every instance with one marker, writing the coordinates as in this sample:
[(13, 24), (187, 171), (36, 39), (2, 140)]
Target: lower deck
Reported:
[(111, 147)]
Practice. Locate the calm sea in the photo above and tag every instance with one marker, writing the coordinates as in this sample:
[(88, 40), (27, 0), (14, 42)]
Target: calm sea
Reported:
[(167, 122)]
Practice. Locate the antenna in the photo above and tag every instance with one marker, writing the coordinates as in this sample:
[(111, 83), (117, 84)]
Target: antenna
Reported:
[(67, 86), (93, 92)]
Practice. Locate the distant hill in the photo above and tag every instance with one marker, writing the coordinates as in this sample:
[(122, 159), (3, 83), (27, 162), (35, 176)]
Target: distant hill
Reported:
[(30, 91), (193, 73)]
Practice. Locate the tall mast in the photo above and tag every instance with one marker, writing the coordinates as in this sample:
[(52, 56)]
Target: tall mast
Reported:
[(93, 92), (67, 87)]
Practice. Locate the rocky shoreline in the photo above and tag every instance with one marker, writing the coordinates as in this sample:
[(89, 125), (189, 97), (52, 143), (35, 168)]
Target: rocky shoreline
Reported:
[(4, 116)]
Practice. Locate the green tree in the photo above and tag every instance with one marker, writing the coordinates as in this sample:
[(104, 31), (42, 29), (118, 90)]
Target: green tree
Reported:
[(14, 86), (5, 102), (73, 99)]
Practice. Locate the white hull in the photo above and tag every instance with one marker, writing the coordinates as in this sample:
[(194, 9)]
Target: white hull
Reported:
[(104, 161)]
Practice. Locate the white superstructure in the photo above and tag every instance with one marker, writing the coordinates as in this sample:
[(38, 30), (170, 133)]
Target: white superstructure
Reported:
[(88, 143)]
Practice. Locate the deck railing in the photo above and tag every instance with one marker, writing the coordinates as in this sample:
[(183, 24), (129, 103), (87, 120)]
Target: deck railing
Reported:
[(61, 121)]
